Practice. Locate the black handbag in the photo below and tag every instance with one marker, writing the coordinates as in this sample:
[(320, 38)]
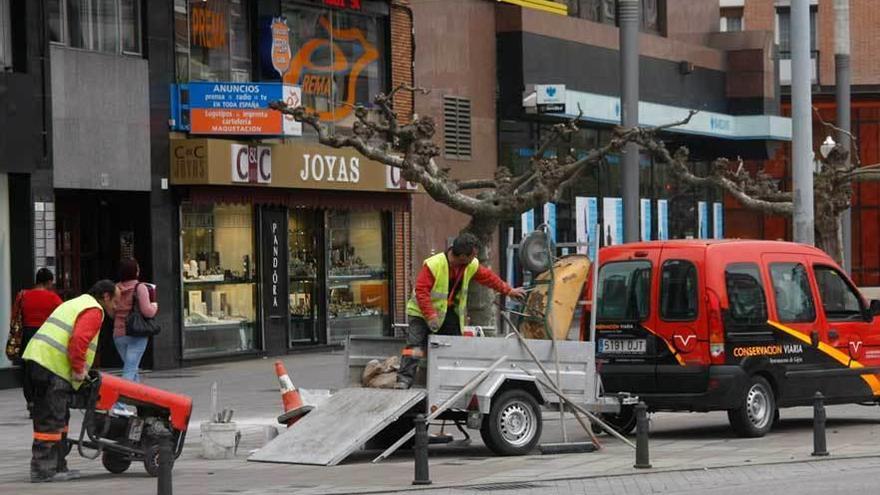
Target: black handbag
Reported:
[(136, 325)]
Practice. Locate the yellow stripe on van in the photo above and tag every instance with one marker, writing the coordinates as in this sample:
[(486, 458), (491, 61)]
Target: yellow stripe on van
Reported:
[(834, 353), (672, 349)]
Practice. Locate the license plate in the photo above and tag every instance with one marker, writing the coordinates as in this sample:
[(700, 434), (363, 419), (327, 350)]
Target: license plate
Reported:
[(622, 346), (135, 428)]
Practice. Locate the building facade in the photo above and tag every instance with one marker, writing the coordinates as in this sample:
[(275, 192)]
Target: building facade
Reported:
[(25, 153), (772, 17)]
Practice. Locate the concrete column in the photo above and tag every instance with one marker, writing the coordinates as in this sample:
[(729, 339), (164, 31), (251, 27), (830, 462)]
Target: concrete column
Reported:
[(842, 97), (628, 17), (802, 122)]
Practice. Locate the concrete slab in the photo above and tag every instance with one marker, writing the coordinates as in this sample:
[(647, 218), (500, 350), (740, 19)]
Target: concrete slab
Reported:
[(338, 426)]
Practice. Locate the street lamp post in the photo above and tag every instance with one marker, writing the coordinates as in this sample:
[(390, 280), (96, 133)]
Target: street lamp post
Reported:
[(628, 17), (802, 123)]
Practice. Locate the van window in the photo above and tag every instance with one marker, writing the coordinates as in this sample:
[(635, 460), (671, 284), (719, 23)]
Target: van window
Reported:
[(678, 291), (745, 295), (791, 289), (839, 300), (624, 290)]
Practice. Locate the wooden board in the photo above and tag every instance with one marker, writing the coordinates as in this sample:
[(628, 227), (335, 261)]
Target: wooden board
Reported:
[(569, 274), (339, 426)]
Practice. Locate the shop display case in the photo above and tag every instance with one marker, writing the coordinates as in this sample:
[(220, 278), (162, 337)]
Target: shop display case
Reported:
[(302, 269), (357, 279), (218, 279)]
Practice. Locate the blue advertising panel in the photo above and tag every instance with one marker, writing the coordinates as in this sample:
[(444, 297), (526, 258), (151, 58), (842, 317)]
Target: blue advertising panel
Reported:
[(645, 217), (702, 220), (662, 220), (718, 220), (586, 220), (550, 219), (528, 222)]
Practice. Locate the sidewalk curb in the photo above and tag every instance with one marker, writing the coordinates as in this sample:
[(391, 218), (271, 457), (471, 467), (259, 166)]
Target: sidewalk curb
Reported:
[(635, 472)]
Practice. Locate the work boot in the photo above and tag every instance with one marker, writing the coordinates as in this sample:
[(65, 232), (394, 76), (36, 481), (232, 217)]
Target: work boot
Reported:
[(55, 477)]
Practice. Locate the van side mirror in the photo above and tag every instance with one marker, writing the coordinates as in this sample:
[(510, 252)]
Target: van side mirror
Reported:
[(875, 307)]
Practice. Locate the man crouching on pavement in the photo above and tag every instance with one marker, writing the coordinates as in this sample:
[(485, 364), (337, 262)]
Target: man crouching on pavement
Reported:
[(60, 355), (439, 303)]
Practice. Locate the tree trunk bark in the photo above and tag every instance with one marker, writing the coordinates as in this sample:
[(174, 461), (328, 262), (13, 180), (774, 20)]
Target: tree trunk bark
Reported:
[(829, 237), (481, 310)]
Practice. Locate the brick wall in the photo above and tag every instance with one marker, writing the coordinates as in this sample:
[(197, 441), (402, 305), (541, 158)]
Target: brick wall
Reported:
[(402, 56), (402, 73)]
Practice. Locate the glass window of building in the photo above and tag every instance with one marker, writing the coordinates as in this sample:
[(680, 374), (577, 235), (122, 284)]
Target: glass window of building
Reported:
[(110, 26), (605, 11), (219, 309), (357, 274), (305, 243), (212, 40), (339, 56), (5, 35)]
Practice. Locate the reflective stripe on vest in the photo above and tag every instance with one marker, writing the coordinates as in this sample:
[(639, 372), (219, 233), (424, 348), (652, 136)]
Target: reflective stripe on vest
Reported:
[(48, 347), (439, 267)]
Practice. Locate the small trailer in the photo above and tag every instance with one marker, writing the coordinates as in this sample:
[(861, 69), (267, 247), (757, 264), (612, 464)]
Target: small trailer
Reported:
[(506, 406)]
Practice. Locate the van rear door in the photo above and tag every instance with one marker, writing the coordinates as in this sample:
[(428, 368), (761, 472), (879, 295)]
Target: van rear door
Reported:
[(680, 325), (625, 350)]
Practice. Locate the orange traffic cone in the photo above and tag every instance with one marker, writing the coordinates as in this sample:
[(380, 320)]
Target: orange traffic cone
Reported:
[(293, 405)]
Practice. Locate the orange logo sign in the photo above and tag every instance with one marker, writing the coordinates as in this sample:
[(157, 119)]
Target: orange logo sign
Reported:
[(208, 26), (319, 79), (280, 45)]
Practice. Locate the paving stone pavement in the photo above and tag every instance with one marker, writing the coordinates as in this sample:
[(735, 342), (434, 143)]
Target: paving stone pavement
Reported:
[(682, 445)]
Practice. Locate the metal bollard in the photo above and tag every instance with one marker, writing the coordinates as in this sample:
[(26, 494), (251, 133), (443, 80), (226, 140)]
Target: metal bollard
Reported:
[(642, 457), (421, 451), (166, 461), (819, 446)]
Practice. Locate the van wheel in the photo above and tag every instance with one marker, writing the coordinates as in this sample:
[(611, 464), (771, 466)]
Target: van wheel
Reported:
[(513, 426), (757, 410), (623, 422)]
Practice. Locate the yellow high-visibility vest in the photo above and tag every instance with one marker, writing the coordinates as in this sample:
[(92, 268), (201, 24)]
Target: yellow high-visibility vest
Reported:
[(439, 266), (48, 347)]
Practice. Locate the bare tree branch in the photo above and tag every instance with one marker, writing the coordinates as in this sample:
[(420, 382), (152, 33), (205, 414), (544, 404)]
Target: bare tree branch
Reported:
[(854, 142)]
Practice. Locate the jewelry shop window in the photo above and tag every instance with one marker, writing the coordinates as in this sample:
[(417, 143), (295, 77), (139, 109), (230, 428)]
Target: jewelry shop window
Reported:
[(357, 274), (217, 273)]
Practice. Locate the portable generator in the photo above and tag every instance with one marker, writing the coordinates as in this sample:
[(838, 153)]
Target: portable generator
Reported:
[(119, 440)]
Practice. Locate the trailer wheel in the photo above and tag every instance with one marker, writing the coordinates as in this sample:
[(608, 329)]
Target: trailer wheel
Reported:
[(513, 426), (757, 410), (623, 422), (151, 460), (115, 463)]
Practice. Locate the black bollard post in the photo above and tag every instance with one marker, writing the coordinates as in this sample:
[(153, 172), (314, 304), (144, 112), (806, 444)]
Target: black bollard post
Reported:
[(819, 446), (166, 462), (642, 457), (421, 451)]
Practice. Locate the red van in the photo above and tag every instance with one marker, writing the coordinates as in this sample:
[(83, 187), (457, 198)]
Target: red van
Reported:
[(701, 325)]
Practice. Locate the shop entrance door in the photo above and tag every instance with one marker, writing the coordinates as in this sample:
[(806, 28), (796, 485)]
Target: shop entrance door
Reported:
[(305, 268)]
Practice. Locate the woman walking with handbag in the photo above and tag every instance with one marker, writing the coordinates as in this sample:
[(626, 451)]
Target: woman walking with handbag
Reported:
[(131, 348), (32, 308)]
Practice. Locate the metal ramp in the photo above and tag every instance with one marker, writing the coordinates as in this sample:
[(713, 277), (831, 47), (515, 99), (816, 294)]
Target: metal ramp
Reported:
[(339, 426)]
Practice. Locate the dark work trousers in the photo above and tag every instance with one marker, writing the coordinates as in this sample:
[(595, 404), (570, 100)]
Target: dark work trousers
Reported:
[(51, 414), (417, 344), (26, 334)]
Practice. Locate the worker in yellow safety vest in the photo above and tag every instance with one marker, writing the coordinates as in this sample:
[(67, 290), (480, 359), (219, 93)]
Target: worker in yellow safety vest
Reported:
[(60, 355), (439, 301)]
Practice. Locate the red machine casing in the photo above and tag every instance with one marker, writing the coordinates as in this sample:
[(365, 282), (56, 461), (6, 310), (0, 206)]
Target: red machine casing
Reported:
[(113, 389)]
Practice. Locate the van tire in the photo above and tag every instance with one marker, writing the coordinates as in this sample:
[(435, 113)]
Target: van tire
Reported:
[(755, 416), (513, 425), (623, 422)]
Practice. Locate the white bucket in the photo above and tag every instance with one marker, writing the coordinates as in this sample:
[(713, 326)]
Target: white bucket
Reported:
[(218, 440)]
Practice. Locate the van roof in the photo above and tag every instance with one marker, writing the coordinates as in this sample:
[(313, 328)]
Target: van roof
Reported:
[(719, 246)]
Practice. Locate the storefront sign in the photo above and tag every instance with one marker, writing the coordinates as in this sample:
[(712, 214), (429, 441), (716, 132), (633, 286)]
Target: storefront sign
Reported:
[(394, 180), (274, 254), (550, 94), (251, 164), (300, 165), (242, 108), (342, 4), (280, 45), (208, 27)]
